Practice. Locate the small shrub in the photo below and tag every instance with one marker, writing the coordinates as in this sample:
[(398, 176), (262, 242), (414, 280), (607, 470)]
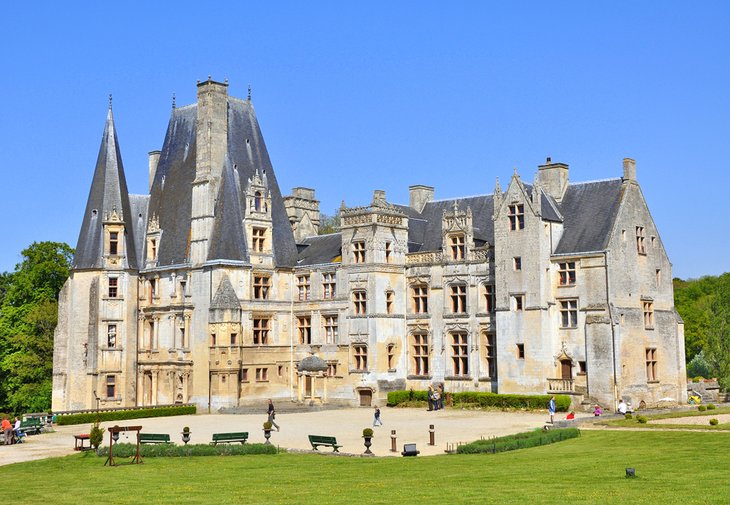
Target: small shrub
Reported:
[(641, 419), (267, 425), (367, 432), (628, 416), (173, 451), (699, 378), (121, 415), (482, 400), (711, 406), (713, 421), (518, 441), (186, 429), (701, 408), (96, 436)]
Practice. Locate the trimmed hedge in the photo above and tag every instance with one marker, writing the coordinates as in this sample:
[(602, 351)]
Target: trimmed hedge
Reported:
[(177, 451), (474, 399), (519, 441), (121, 415)]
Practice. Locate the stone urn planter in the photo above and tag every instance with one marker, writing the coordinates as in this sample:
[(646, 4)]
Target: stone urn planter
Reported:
[(367, 435), (185, 435), (267, 432)]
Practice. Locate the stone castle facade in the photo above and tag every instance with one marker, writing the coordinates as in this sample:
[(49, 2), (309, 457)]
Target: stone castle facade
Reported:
[(215, 289)]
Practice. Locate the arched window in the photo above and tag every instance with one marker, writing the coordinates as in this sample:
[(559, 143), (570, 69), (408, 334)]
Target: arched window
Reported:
[(258, 201)]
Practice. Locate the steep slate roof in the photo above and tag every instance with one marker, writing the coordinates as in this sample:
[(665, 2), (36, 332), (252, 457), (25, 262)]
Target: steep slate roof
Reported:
[(482, 208), (589, 211), (171, 194), (320, 249), (108, 193), (225, 296), (227, 240), (138, 205)]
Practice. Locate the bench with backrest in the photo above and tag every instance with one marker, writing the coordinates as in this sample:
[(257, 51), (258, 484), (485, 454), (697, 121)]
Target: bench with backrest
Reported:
[(31, 426), (227, 438), (317, 440), (154, 438)]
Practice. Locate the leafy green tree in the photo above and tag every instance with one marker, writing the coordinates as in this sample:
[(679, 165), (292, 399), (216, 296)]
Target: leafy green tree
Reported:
[(718, 337), (28, 316), (329, 224)]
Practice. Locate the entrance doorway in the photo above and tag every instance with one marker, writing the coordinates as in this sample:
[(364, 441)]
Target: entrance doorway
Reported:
[(566, 369), (366, 397)]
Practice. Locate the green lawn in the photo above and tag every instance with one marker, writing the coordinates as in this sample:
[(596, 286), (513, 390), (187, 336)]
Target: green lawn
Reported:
[(707, 415), (672, 467)]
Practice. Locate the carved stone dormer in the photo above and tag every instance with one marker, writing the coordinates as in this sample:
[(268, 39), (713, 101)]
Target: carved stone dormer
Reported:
[(153, 241), (258, 196), (457, 233)]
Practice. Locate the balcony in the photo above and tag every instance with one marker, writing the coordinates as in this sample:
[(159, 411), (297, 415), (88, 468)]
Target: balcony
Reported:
[(561, 386)]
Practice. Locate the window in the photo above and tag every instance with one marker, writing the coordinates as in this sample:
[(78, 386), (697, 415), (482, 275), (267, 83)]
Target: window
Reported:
[(457, 247), (390, 351), (153, 249), (113, 285), (388, 251), (517, 263), (303, 286), (262, 374), (111, 336), (261, 285), (280, 371), (360, 300), (518, 302), (331, 369), (111, 386), (459, 353), (648, 315), (261, 331), (420, 299), (360, 353), (640, 238), (420, 354), (567, 273), (458, 298), (304, 326), (568, 313), (182, 337), (516, 214), (257, 201), (153, 289), (113, 243), (658, 276), (234, 338), (651, 372), (330, 329), (488, 298), (490, 351), (212, 339), (329, 285), (358, 249), (521, 351), (183, 287), (244, 375), (389, 302), (582, 368), (259, 236)]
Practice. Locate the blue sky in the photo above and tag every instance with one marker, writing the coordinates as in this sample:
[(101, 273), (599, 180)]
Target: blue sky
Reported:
[(353, 97)]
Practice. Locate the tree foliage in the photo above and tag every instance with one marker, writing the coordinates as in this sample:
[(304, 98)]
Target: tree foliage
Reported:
[(329, 224), (28, 316)]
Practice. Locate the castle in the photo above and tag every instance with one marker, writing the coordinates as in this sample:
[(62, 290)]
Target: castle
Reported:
[(215, 289)]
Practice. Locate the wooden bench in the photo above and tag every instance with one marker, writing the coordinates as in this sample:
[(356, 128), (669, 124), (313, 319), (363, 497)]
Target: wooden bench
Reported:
[(317, 440), (225, 438), (31, 426), (154, 438), (79, 442)]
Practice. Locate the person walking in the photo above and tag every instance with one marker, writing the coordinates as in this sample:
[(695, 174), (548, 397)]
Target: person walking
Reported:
[(272, 415), (376, 419), (7, 431), (551, 408)]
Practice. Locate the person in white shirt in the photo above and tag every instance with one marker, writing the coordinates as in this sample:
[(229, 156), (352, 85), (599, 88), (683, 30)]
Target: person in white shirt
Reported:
[(622, 408)]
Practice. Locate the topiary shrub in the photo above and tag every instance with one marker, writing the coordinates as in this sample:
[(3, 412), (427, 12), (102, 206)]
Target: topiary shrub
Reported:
[(641, 419), (267, 425), (121, 415), (481, 400), (713, 421), (711, 406), (518, 441), (174, 451), (96, 436), (628, 416), (701, 408), (367, 432)]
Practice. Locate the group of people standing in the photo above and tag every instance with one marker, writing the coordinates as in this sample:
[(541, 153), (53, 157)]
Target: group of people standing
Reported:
[(435, 397), (11, 432)]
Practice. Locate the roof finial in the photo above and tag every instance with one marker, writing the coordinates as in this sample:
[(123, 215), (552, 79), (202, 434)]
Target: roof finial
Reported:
[(110, 101), (173, 101), (249, 92)]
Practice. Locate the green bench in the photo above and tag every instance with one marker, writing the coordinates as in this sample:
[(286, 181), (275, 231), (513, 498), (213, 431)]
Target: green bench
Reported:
[(154, 438), (31, 426), (225, 438), (317, 440)]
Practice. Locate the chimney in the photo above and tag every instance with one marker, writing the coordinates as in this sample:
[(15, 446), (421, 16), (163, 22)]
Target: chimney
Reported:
[(303, 212), (154, 159), (629, 169), (212, 129), (419, 196), (553, 178)]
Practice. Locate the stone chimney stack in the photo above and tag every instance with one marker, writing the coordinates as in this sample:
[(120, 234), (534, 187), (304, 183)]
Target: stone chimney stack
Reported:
[(553, 178), (303, 211), (154, 159), (212, 135), (629, 169), (419, 196)]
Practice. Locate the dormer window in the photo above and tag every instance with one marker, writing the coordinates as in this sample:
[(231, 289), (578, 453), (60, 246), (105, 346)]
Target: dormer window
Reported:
[(516, 214), (258, 201), (113, 243), (456, 243), (259, 237), (153, 249), (358, 250)]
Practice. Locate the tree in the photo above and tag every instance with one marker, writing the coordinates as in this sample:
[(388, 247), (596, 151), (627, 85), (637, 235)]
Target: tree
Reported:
[(329, 224), (28, 316), (718, 337)]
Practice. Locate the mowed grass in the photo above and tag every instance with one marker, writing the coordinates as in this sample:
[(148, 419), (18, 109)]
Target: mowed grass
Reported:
[(672, 467)]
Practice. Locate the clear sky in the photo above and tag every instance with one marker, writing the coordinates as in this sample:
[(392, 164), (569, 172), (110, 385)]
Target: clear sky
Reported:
[(357, 96)]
